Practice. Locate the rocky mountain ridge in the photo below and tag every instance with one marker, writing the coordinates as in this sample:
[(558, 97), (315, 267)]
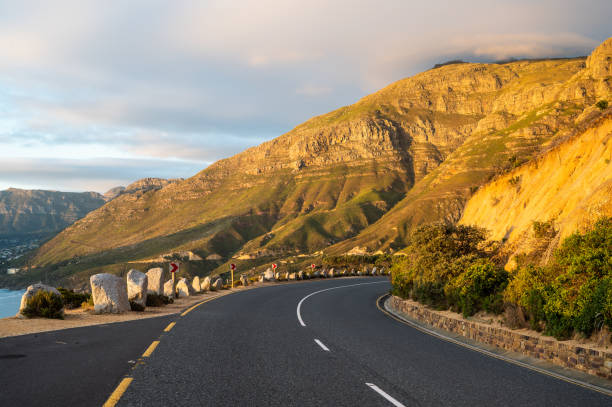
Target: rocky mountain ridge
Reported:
[(39, 212), (360, 176)]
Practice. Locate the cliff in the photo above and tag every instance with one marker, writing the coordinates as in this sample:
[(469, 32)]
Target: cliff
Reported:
[(565, 190)]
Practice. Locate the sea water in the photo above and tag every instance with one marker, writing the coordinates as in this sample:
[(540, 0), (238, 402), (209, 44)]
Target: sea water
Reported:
[(9, 302)]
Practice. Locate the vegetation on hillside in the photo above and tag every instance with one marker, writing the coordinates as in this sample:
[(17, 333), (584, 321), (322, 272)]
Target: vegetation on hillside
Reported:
[(449, 266)]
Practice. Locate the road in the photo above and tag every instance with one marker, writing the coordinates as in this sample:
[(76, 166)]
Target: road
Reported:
[(253, 348)]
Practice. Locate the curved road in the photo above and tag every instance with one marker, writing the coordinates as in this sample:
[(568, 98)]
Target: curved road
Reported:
[(253, 348)]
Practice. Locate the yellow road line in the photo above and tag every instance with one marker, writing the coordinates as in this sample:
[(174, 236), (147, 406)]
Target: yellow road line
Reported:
[(200, 303), (150, 349), (170, 326), (116, 395)]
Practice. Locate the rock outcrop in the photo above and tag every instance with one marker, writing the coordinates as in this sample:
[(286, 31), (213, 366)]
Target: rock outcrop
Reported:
[(137, 284), (109, 294)]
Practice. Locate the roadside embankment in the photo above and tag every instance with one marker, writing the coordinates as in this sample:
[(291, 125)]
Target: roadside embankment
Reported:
[(14, 326), (570, 354)]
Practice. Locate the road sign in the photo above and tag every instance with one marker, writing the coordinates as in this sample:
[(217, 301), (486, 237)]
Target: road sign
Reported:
[(233, 266), (313, 266), (173, 269), (274, 266)]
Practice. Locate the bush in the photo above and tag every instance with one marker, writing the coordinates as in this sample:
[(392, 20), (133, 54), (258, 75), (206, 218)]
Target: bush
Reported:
[(436, 254), (543, 229), (480, 287), (602, 104), (44, 304), (574, 293), (156, 300), (72, 299), (527, 288), (134, 306)]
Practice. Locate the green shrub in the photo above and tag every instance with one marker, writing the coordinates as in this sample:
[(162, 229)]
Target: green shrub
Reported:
[(72, 299), (156, 300), (574, 293), (527, 288), (480, 287), (602, 104), (543, 229), (436, 254), (134, 306), (44, 304)]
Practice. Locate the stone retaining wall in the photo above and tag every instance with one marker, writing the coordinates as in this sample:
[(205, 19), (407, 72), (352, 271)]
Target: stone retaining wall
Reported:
[(588, 360)]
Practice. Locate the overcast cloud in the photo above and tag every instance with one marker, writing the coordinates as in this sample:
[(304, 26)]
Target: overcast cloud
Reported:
[(97, 94)]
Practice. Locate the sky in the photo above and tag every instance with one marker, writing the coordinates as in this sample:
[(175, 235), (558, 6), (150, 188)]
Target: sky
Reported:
[(96, 94)]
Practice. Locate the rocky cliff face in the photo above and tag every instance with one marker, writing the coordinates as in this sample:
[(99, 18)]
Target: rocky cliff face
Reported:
[(27, 212), (566, 189), (362, 175)]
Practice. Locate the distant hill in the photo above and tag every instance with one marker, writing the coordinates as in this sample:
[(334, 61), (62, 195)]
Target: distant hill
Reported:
[(37, 212), (357, 179)]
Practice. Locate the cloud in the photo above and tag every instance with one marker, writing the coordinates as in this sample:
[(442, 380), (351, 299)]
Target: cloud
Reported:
[(524, 45), (99, 175), (198, 81)]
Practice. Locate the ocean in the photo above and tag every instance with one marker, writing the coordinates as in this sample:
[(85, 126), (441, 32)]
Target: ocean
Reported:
[(9, 302)]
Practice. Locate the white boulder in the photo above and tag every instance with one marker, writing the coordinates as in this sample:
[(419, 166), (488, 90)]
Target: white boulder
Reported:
[(155, 280), (217, 285), (182, 288), (109, 294), (374, 270), (300, 275), (196, 286), (292, 276), (33, 289), (268, 275), (244, 280), (169, 289), (205, 284), (331, 273), (137, 284)]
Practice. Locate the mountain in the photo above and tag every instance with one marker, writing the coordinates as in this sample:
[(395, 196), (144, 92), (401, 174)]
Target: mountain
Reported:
[(356, 179), (36, 212), (113, 193), (142, 185)]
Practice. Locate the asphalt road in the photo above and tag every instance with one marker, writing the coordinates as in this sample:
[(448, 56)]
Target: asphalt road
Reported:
[(250, 349)]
